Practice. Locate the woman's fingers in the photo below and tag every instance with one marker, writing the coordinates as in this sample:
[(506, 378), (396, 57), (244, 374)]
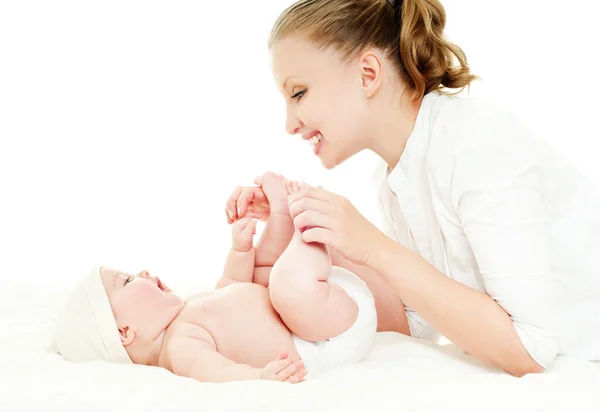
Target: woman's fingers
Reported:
[(307, 203), (318, 235), (231, 205), (228, 217), (312, 218), (313, 192), (251, 198), (244, 200)]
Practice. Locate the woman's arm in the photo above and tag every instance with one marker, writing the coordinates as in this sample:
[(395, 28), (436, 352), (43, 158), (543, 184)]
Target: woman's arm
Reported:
[(492, 179), (470, 319)]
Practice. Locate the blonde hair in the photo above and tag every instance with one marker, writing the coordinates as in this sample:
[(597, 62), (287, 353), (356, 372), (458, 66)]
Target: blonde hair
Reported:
[(410, 32)]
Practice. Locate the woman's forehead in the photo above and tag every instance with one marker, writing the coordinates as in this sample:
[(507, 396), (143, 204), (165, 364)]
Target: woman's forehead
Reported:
[(296, 56), (287, 60)]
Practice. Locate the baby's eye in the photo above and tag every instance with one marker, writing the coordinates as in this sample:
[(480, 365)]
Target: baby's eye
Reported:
[(127, 280)]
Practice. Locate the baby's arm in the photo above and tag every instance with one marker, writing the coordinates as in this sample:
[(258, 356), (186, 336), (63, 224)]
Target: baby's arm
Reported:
[(197, 359), (239, 265), (273, 241), (279, 228)]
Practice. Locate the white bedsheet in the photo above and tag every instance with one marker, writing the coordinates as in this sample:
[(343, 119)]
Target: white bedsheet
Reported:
[(400, 374)]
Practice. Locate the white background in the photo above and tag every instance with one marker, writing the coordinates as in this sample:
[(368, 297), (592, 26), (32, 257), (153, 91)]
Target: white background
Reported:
[(125, 125)]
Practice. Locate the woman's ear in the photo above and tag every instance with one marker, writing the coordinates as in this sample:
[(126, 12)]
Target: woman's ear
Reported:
[(127, 334), (371, 69)]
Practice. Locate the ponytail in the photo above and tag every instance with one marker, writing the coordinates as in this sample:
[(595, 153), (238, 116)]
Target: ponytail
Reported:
[(426, 56)]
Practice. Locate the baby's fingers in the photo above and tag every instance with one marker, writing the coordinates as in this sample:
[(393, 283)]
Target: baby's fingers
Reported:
[(290, 371), (298, 376), (250, 228), (278, 366), (240, 224)]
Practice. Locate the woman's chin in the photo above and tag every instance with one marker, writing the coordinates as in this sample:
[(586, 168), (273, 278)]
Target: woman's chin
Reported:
[(328, 164), (331, 162)]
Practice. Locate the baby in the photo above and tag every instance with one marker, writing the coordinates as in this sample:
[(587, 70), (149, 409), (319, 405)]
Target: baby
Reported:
[(280, 311)]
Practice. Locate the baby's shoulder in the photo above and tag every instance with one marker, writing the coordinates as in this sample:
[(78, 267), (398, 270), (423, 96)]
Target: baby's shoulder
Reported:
[(183, 341), (199, 295)]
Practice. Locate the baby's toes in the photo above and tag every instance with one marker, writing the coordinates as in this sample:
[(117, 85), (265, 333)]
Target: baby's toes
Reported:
[(295, 186), (288, 187)]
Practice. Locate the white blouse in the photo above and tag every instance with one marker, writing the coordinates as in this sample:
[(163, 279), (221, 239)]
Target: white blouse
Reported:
[(489, 205)]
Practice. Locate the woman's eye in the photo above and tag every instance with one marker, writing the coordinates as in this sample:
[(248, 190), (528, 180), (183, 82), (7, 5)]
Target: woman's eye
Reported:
[(299, 95)]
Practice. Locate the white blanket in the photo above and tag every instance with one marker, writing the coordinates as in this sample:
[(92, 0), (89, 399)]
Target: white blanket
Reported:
[(400, 374)]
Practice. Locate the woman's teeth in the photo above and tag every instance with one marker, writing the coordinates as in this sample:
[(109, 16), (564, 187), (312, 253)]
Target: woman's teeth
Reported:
[(315, 139)]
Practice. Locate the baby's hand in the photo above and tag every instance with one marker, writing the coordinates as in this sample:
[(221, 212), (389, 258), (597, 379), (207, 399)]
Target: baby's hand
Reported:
[(242, 233), (284, 369)]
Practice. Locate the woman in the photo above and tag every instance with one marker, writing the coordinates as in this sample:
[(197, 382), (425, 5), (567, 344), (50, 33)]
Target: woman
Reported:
[(491, 239)]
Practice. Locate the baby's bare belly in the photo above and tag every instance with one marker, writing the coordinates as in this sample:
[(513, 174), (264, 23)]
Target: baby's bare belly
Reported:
[(243, 323)]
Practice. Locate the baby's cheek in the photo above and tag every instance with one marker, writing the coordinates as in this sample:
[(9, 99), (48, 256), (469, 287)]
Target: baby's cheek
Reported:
[(151, 293)]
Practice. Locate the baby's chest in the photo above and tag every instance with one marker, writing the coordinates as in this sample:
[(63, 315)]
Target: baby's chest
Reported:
[(233, 311)]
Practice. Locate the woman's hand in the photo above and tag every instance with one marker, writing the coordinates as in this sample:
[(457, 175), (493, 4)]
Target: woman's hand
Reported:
[(246, 199), (331, 219), (268, 196)]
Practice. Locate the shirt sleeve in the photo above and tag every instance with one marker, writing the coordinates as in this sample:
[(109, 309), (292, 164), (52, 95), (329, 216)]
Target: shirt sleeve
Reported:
[(496, 191), (419, 328)]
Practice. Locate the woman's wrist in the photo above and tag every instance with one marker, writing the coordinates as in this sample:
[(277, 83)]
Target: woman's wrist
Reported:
[(386, 254)]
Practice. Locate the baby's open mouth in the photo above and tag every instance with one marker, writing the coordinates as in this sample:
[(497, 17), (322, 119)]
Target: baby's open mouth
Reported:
[(159, 284)]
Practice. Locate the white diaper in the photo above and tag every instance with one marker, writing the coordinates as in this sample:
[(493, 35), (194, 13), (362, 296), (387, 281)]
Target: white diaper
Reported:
[(351, 346)]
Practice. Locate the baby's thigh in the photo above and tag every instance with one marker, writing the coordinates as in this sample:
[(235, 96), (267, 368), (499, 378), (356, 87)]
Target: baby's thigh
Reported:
[(313, 309), (352, 341)]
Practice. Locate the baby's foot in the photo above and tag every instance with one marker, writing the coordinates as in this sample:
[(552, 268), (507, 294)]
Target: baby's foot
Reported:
[(275, 190), (293, 186)]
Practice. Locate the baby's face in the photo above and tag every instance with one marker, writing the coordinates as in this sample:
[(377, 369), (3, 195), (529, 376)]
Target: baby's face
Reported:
[(139, 302)]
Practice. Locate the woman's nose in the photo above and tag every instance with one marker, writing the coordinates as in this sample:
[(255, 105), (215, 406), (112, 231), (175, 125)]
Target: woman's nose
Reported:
[(292, 124)]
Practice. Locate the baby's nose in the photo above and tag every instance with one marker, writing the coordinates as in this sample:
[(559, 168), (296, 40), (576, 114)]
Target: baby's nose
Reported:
[(144, 274)]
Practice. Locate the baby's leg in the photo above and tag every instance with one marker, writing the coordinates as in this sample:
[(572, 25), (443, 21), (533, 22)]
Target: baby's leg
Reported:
[(312, 309)]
